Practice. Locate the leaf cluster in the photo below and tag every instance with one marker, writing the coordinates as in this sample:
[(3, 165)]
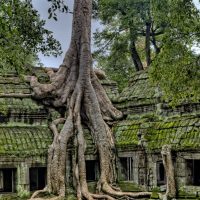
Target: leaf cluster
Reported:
[(177, 68), (57, 5), (175, 26), (123, 23), (22, 34)]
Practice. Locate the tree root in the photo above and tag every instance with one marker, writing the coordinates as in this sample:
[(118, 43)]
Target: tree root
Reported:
[(36, 193), (102, 196), (45, 190), (110, 191)]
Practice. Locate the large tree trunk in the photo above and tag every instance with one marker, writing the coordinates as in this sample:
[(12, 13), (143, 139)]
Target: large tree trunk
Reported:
[(76, 86), (147, 43), (169, 170), (134, 53)]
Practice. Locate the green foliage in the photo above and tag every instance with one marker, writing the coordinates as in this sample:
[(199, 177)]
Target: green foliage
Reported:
[(154, 195), (22, 193), (57, 5), (117, 63), (130, 187), (175, 25), (22, 35), (117, 66), (71, 197), (118, 17), (124, 24), (177, 68)]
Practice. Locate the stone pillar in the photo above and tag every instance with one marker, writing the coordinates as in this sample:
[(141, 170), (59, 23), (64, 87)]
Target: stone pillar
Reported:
[(142, 169), (23, 182), (152, 171), (135, 168), (181, 172)]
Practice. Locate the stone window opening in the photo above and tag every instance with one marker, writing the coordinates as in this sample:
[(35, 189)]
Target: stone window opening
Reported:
[(161, 176), (8, 180), (38, 178), (126, 168), (193, 172), (91, 170)]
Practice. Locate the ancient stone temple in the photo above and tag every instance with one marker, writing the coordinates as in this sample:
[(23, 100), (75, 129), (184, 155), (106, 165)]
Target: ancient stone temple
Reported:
[(149, 123), (24, 136)]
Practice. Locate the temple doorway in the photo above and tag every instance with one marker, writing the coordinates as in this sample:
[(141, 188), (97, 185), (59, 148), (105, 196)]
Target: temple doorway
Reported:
[(8, 180)]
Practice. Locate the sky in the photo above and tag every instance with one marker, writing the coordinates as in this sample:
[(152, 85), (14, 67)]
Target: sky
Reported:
[(62, 29)]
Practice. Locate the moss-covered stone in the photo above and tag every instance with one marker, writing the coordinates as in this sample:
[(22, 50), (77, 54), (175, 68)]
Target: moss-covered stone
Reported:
[(25, 140), (182, 133), (140, 91), (186, 195), (154, 195), (92, 186), (129, 187)]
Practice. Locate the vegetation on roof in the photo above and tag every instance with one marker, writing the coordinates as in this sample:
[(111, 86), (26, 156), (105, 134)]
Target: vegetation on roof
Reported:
[(25, 140), (182, 133), (140, 91), (19, 105)]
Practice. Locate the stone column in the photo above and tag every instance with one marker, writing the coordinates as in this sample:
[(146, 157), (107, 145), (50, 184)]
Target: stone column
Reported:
[(142, 169), (23, 182), (181, 172)]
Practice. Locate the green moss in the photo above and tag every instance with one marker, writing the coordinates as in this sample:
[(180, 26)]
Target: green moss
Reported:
[(186, 195), (17, 104), (154, 195), (129, 187), (71, 197), (24, 141), (92, 186), (177, 132), (139, 92), (11, 197)]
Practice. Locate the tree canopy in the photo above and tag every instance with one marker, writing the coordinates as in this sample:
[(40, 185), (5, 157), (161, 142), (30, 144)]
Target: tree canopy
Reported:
[(158, 34), (23, 35), (177, 67)]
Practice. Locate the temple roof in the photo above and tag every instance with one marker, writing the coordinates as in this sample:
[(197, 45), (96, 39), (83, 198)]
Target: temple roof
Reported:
[(142, 96), (139, 93), (139, 90), (23, 120), (182, 133), (24, 141), (15, 95), (149, 122)]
